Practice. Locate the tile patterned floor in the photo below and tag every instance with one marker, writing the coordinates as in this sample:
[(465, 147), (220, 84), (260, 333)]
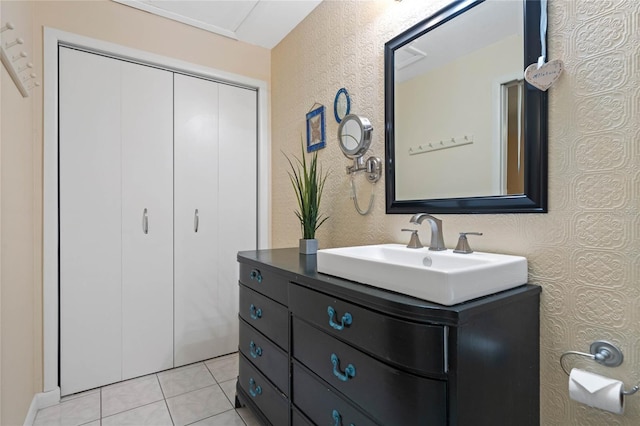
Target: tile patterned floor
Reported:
[(200, 394)]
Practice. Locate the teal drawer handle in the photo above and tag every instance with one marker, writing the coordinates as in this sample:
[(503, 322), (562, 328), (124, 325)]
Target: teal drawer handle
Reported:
[(255, 313), (253, 389), (347, 319), (337, 418), (349, 372), (255, 350), (256, 275)]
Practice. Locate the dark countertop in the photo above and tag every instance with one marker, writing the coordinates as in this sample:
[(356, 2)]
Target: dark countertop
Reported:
[(301, 269)]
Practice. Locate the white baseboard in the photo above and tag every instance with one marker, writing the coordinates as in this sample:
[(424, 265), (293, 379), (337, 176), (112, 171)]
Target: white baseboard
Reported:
[(39, 401)]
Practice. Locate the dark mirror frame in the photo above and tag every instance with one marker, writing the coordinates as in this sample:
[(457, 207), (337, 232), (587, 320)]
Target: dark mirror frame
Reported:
[(534, 199)]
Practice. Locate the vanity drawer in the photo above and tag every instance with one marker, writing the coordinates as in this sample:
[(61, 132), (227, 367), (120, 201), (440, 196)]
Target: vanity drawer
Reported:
[(299, 419), (264, 281), (270, 401), (423, 345), (390, 396), (266, 356), (321, 404), (265, 315)]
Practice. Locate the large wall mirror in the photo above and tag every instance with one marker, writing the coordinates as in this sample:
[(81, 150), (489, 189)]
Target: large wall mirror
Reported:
[(465, 133)]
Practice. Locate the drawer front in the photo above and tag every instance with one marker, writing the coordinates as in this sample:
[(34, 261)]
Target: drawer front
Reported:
[(321, 404), (264, 281), (298, 419), (269, 400), (265, 355), (423, 345), (388, 395), (265, 315)]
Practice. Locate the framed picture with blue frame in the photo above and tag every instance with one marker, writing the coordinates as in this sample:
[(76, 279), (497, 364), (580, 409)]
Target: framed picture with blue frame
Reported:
[(315, 129)]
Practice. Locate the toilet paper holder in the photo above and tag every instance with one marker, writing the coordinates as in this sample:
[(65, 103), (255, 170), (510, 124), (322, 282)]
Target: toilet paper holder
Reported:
[(604, 353)]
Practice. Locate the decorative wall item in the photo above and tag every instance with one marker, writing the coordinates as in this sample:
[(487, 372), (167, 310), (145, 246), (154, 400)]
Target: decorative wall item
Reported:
[(308, 180), (315, 128), (542, 75), (16, 63), (341, 104)]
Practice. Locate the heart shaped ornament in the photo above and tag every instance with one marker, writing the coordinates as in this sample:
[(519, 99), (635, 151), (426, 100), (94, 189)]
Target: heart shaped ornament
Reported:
[(545, 76)]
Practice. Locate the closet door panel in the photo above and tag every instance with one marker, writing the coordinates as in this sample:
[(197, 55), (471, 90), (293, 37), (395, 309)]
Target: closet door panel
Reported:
[(237, 200), (196, 234), (90, 237), (147, 220)]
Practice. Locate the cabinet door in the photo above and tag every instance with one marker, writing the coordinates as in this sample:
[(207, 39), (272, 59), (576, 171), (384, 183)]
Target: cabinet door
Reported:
[(147, 220), (196, 219), (90, 227), (237, 202), (215, 212)]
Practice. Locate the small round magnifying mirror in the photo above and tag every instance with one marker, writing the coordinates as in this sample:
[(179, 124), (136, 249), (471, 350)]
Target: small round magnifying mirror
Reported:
[(354, 136)]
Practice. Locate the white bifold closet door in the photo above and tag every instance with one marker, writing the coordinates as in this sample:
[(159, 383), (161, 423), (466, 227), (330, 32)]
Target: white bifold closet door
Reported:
[(116, 230), (215, 157)]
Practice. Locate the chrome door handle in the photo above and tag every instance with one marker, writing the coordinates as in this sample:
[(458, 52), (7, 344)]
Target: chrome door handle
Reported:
[(145, 221), (196, 221)]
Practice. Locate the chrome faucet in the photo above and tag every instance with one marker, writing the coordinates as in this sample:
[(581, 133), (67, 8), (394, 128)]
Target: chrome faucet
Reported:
[(437, 241)]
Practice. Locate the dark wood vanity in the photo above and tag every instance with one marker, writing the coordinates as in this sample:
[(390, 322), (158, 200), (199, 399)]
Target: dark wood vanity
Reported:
[(316, 349)]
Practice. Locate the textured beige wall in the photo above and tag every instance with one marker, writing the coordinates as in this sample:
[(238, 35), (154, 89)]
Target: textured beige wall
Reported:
[(22, 156), (584, 252), (19, 286)]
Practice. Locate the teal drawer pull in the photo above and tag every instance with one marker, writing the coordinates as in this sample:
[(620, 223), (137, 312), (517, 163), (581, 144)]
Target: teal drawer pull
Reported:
[(255, 350), (256, 275), (253, 389), (337, 418), (349, 371), (255, 313), (347, 319)]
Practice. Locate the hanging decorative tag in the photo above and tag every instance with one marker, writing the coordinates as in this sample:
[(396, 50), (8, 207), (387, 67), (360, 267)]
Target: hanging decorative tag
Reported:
[(545, 76), (542, 75)]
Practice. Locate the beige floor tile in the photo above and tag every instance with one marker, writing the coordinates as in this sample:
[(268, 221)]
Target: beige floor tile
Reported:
[(198, 405), (228, 418), (185, 379), (229, 389), (130, 394), (224, 368), (74, 412), (79, 395), (155, 414)]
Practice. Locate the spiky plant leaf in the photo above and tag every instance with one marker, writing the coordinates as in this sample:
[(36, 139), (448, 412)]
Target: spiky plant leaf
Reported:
[(308, 180)]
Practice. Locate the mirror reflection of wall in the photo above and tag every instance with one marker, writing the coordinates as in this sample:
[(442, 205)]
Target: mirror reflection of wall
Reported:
[(449, 86)]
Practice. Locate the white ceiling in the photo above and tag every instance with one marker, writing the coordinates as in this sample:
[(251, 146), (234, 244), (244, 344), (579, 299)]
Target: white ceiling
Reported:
[(261, 22)]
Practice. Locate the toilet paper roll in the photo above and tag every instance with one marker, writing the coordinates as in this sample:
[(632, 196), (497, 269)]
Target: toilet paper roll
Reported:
[(596, 391)]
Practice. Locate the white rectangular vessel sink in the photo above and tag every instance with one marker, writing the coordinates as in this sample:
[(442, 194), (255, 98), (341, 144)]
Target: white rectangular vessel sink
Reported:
[(442, 277)]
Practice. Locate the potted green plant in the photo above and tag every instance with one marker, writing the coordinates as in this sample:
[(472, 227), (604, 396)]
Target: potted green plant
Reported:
[(308, 181)]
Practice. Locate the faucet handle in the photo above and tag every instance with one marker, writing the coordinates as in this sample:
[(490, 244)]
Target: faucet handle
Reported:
[(463, 243), (415, 240)]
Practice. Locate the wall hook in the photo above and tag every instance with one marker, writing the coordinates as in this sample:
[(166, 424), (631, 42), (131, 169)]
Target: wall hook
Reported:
[(7, 26), (19, 56), (29, 77), (14, 42), (25, 66)]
